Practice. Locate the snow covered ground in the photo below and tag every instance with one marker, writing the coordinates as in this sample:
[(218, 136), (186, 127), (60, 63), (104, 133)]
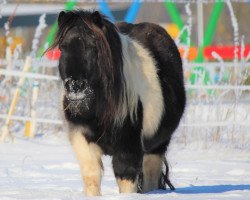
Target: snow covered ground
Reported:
[(45, 168)]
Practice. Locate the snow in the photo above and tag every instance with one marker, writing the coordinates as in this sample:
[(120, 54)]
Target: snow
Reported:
[(45, 168), (38, 33)]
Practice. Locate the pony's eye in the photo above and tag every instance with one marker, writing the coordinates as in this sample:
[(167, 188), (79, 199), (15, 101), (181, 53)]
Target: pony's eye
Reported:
[(62, 46)]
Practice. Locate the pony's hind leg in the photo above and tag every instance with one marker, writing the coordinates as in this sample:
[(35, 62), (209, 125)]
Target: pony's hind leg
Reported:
[(154, 177), (152, 170), (89, 158)]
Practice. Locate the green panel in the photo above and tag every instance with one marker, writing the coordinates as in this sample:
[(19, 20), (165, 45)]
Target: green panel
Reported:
[(208, 38), (52, 33), (176, 18)]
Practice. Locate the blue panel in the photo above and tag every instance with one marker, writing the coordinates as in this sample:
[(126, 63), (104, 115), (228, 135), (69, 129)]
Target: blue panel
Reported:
[(104, 8), (130, 15), (132, 12)]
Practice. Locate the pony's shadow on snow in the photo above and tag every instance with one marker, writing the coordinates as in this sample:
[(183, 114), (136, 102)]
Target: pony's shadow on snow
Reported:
[(204, 189)]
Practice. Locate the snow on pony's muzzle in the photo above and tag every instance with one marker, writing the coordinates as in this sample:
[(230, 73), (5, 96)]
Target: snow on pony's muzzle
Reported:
[(76, 96), (77, 90)]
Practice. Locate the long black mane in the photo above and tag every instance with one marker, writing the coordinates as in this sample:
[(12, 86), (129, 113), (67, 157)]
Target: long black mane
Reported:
[(109, 70)]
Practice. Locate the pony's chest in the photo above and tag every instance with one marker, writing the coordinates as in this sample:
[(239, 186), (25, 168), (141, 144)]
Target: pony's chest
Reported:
[(112, 141)]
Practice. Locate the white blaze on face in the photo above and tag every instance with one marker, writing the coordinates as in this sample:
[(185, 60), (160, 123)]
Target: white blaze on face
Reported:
[(142, 83)]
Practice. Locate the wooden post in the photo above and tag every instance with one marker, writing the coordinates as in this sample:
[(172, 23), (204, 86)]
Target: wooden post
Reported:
[(5, 129), (33, 110)]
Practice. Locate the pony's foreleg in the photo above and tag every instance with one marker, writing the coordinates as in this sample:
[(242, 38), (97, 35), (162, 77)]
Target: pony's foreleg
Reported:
[(152, 169), (126, 169), (89, 158)]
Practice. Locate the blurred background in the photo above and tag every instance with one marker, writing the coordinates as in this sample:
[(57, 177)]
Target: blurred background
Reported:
[(209, 153), (213, 38)]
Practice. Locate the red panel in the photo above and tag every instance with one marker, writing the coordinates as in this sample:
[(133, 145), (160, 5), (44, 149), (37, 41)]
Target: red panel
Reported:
[(226, 52), (53, 54)]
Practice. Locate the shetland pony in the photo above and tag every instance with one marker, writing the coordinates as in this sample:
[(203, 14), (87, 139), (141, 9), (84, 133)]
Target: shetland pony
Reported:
[(123, 96)]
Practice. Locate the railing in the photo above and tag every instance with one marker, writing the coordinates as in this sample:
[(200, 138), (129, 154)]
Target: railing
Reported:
[(217, 112), (46, 79)]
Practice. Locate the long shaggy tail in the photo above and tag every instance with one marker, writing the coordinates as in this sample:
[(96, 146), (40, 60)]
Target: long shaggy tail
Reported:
[(164, 180)]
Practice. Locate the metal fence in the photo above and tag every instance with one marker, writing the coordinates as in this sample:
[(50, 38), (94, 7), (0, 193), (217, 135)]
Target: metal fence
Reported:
[(201, 95)]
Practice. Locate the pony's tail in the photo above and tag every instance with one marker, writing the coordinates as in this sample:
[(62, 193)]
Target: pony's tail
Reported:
[(160, 140)]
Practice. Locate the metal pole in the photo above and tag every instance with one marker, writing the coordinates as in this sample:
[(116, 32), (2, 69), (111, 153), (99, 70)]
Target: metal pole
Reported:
[(200, 23)]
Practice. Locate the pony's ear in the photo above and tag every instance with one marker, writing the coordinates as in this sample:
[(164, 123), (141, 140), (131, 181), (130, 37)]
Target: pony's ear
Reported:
[(97, 19), (61, 17)]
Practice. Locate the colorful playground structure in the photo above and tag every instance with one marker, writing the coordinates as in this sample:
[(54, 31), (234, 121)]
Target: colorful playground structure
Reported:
[(195, 53), (204, 50)]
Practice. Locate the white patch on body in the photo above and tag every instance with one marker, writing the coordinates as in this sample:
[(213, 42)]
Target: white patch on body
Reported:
[(142, 82), (89, 158), (152, 168)]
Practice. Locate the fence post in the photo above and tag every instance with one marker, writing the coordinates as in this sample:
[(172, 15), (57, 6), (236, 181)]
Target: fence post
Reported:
[(5, 129), (33, 125)]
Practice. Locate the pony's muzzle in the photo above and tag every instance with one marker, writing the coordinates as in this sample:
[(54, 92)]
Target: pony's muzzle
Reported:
[(77, 90)]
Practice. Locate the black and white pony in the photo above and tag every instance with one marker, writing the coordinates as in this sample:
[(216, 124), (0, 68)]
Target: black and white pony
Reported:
[(123, 96)]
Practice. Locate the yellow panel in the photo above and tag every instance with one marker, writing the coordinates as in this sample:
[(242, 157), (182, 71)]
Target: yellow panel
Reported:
[(27, 129), (16, 41), (173, 30)]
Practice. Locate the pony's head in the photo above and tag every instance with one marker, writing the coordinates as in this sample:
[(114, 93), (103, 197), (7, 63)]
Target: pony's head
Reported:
[(90, 65)]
